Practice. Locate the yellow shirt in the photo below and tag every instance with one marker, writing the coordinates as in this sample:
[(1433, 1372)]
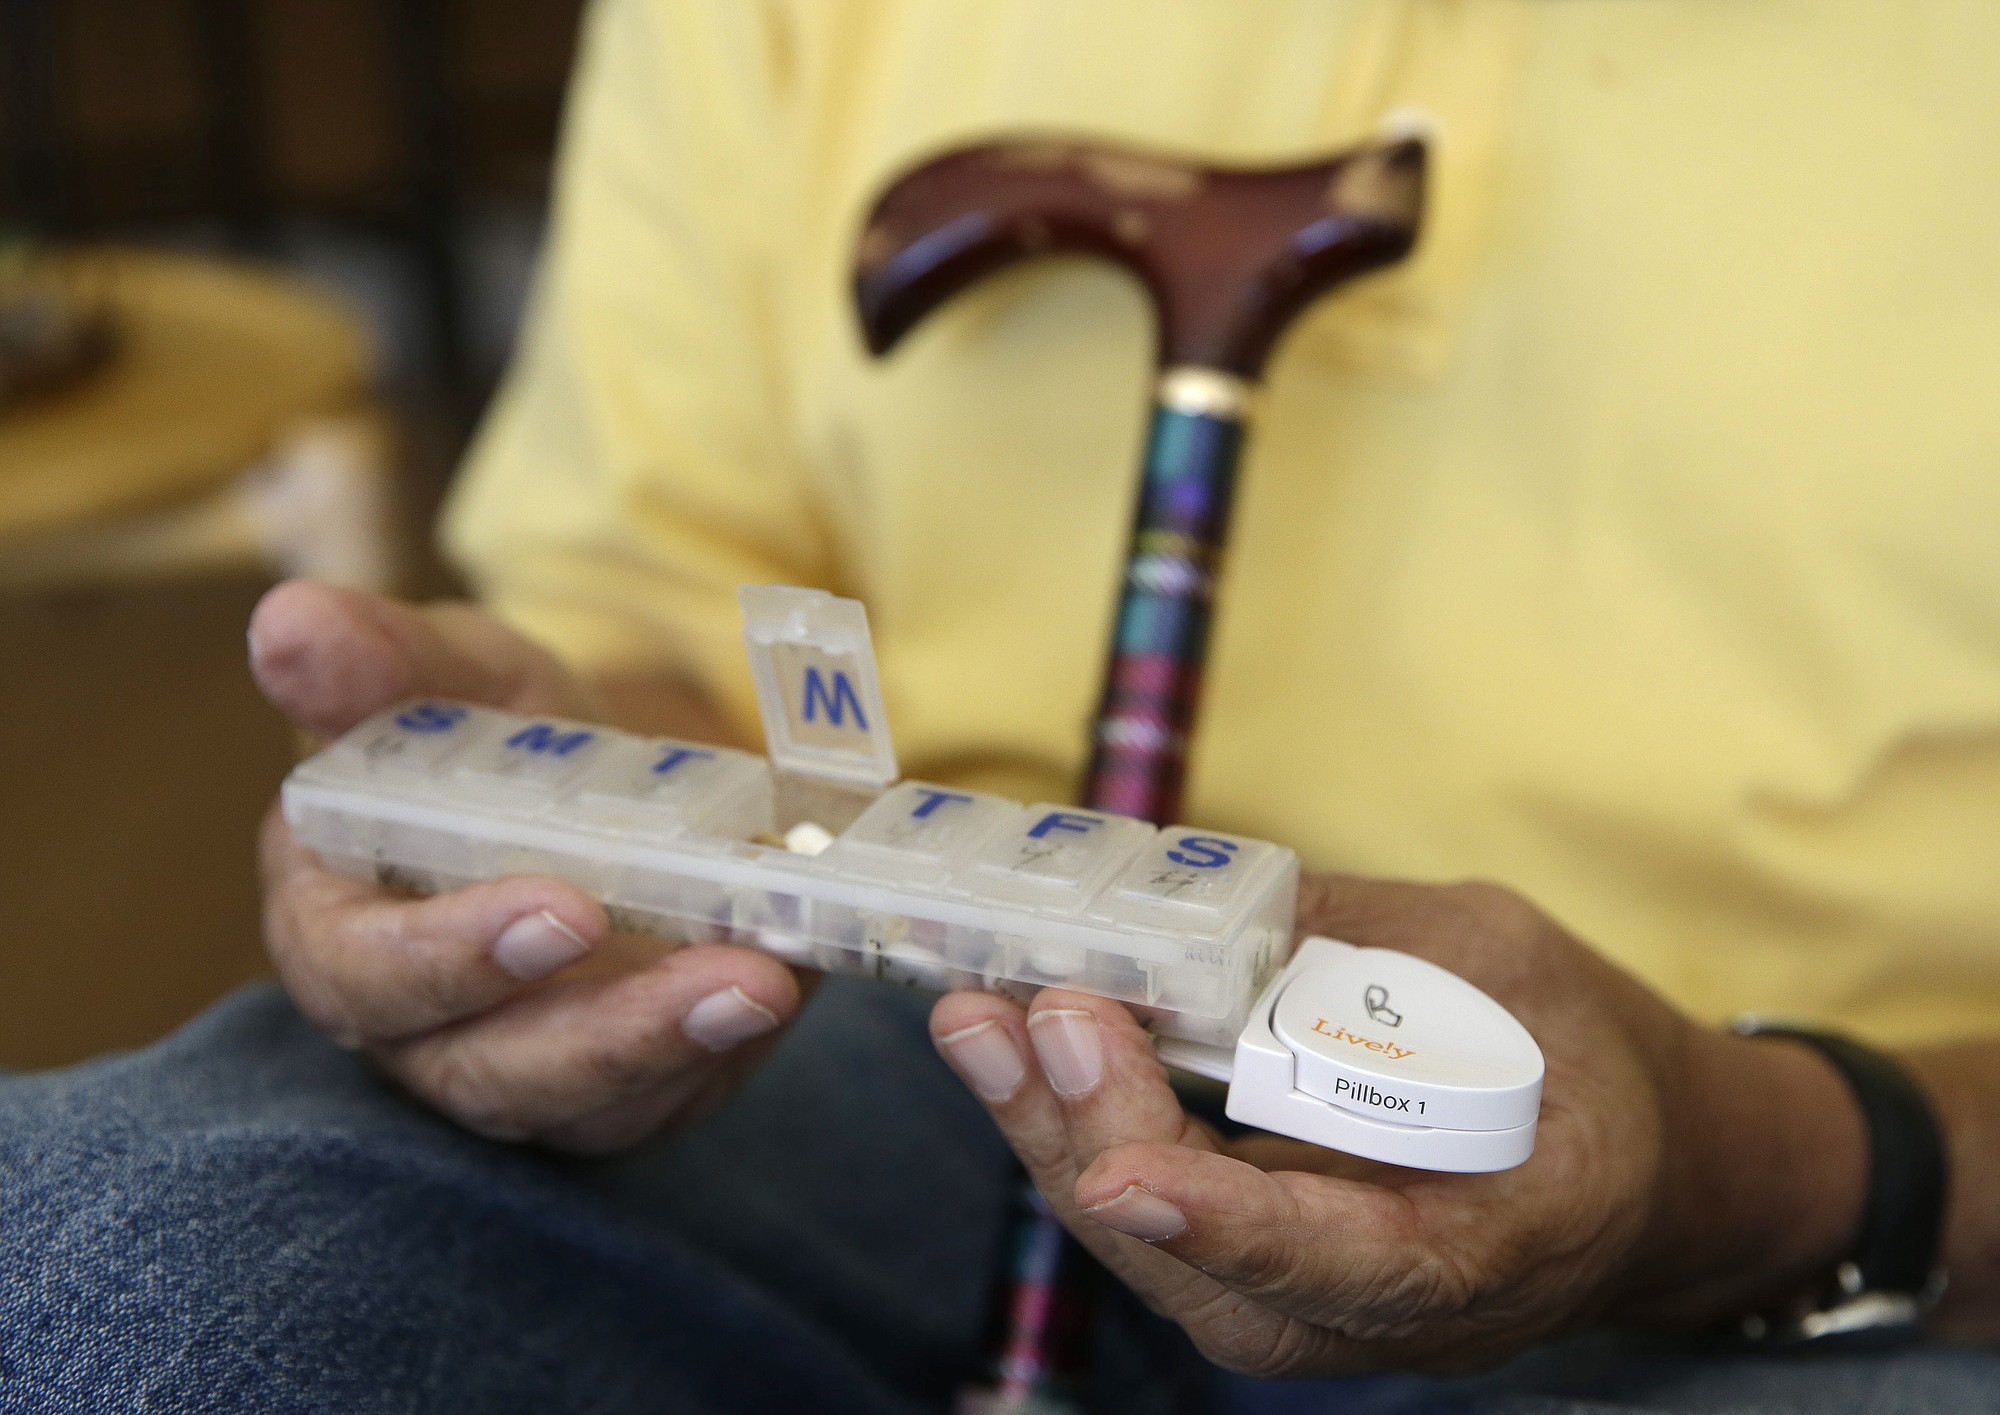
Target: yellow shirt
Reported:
[(1636, 544)]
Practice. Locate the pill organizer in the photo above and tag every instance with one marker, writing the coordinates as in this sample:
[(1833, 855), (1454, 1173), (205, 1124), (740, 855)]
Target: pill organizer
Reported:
[(927, 885), (816, 853)]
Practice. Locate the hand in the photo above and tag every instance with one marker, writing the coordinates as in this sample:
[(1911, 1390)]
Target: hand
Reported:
[(1666, 1182), (509, 1005)]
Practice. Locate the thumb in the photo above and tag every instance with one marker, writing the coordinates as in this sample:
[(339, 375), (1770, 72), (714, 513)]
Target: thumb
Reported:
[(328, 657)]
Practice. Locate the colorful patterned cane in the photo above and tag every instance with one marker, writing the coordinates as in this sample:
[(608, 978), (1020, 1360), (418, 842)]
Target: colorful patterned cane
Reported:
[(1160, 643), (1230, 257)]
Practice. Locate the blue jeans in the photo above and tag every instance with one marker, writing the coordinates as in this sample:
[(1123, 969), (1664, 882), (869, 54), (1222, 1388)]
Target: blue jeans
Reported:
[(244, 1218)]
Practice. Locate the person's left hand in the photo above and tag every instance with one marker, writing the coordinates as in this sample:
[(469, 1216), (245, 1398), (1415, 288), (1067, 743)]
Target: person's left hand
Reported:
[(1651, 1191)]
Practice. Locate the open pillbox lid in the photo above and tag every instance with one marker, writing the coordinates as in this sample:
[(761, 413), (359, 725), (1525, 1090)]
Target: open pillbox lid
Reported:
[(814, 667)]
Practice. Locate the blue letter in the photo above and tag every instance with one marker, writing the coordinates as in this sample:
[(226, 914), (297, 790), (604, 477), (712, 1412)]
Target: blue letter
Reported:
[(431, 717), (1215, 853), (1063, 820), (541, 737), (843, 692), (676, 755), (933, 798)]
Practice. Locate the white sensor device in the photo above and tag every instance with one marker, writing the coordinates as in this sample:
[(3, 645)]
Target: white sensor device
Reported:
[(1364, 1050), (1389, 1057)]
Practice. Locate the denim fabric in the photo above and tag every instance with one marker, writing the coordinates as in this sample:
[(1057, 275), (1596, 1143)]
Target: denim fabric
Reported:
[(243, 1218), (1616, 1375)]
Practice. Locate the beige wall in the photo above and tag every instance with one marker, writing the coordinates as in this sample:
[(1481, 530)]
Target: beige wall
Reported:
[(135, 761)]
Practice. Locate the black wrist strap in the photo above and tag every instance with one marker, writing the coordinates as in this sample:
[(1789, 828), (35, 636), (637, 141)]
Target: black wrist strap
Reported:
[(1902, 1224)]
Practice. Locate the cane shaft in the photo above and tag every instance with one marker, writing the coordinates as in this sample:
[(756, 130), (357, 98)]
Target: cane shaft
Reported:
[(1152, 682)]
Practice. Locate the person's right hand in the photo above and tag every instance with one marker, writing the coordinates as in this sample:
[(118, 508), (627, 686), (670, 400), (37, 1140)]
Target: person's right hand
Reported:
[(510, 1005)]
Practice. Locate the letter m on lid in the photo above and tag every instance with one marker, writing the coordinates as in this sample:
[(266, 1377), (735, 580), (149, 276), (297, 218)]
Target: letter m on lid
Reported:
[(548, 738), (822, 706), (816, 687), (836, 703)]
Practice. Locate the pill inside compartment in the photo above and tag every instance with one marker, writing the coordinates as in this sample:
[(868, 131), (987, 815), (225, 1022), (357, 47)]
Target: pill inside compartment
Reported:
[(377, 804), (896, 859), (668, 818), (1210, 917), (513, 775), (1042, 870)]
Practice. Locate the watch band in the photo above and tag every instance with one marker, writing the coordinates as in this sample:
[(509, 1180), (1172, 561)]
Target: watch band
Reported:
[(1891, 1275)]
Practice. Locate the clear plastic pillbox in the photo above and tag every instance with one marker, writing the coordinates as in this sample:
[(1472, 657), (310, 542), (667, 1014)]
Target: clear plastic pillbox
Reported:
[(927, 885)]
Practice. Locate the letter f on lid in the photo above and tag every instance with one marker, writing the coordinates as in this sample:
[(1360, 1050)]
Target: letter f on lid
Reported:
[(1072, 821)]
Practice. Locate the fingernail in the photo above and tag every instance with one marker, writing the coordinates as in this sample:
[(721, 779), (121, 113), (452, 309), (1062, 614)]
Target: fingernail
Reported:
[(986, 1057), (724, 1019), (536, 945), (1067, 1045), (1141, 1213)]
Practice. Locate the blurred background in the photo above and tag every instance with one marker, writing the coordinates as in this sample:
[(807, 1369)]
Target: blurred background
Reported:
[(261, 263)]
